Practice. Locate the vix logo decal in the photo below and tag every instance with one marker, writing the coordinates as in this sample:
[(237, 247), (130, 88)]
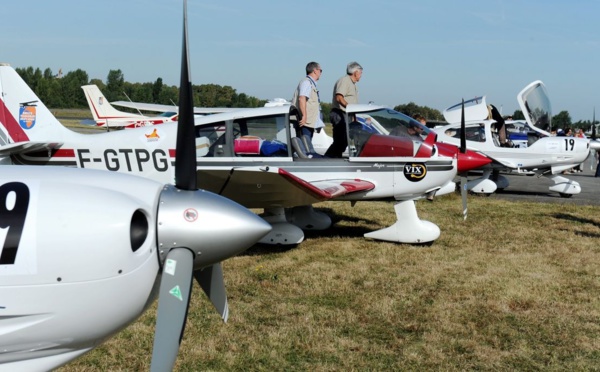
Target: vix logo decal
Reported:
[(415, 172), (27, 117)]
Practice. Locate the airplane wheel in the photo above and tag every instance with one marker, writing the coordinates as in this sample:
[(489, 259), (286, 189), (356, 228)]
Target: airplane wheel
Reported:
[(563, 195)]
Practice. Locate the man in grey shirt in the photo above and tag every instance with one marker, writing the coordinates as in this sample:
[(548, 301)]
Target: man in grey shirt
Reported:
[(345, 92)]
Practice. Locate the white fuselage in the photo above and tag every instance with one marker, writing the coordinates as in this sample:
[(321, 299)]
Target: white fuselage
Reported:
[(533, 153), (73, 281)]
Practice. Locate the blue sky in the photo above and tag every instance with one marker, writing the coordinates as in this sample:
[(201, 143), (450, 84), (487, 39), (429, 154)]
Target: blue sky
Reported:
[(429, 52)]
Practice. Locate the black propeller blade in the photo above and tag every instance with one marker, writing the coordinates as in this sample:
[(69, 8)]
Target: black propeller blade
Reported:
[(594, 125), (185, 155), (463, 149), (196, 230), (174, 299), (176, 281)]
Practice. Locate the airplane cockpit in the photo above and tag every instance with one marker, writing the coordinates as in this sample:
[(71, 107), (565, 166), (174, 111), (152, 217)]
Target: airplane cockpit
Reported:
[(268, 132), (245, 136), (367, 127)]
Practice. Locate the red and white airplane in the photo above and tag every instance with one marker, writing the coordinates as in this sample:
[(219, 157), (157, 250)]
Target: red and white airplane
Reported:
[(105, 115), (83, 253)]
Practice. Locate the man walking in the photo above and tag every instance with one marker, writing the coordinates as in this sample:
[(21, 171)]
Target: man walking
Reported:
[(345, 92)]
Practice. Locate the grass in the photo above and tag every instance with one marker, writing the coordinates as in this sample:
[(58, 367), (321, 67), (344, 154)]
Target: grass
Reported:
[(515, 287)]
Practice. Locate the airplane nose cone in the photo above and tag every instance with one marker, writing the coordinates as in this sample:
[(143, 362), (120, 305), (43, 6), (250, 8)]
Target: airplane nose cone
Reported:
[(213, 227), (468, 161), (471, 160)]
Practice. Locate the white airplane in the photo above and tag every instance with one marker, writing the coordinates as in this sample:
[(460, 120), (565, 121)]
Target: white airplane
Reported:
[(529, 147), (105, 115), (84, 253), (258, 172)]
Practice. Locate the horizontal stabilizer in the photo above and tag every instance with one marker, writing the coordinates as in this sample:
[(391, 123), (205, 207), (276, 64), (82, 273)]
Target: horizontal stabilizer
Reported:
[(27, 147)]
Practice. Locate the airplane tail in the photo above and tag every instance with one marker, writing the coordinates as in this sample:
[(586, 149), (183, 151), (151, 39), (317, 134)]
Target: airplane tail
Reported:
[(102, 110), (23, 116)]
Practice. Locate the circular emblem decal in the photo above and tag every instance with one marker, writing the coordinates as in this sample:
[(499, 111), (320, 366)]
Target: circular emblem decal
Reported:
[(190, 215), (415, 172)]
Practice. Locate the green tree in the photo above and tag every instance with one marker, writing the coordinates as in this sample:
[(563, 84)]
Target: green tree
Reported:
[(156, 89), (518, 115), (412, 109), (561, 120), (71, 83), (115, 82), (99, 83)]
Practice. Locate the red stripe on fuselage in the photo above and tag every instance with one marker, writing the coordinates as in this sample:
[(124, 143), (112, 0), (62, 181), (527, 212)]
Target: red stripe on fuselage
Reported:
[(12, 126)]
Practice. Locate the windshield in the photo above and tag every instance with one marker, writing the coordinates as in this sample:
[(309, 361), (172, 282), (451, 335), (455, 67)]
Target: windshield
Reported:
[(393, 123), (537, 107), (168, 114)]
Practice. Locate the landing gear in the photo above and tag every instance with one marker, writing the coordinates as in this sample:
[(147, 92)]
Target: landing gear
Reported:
[(484, 184), (288, 224), (563, 186), (408, 227)]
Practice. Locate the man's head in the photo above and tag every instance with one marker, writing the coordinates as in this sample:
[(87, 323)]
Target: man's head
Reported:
[(314, 69), (354, 69)]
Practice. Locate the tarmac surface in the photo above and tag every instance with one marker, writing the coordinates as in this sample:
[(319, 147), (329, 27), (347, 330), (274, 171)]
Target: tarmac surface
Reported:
[(532, 188)]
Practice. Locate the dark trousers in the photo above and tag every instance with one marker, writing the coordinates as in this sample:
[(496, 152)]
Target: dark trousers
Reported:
[(598, 169), (304, 131), (340, 138)]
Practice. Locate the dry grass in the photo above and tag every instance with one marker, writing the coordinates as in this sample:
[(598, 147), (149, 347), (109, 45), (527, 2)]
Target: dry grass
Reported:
[(516, 287)]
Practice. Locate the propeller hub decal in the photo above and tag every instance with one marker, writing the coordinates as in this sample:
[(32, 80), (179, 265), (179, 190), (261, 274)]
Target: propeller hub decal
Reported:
[(415, 172), (190, 215), (176, 292)]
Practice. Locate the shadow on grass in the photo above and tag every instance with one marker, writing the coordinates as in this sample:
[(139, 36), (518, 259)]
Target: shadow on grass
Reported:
[(335, 231), (572, 218), (528, 193)]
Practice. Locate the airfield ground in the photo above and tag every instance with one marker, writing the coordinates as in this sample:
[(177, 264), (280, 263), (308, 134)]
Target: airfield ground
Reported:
[(515, 287)]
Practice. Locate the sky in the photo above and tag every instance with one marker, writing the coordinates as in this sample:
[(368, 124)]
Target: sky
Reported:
[(430, 52)]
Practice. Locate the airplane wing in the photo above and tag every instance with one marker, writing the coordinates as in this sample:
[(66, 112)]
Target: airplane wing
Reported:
[(27, 147), (262, 187), (170, 108)]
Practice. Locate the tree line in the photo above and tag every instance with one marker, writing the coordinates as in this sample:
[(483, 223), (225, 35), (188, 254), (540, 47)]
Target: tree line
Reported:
[(64, 91)]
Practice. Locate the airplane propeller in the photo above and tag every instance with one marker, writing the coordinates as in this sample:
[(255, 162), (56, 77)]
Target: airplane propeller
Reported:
[(594, 125), (183, 257), (463, 149)]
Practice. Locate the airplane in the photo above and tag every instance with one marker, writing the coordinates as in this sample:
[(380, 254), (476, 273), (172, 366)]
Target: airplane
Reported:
[(105, 115), (86, 252), (529, 147), (269, 170)]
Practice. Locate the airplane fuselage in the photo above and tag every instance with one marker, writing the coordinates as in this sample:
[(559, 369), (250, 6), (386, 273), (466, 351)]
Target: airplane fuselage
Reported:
[(149, 152), (531, 153), (67, 283)]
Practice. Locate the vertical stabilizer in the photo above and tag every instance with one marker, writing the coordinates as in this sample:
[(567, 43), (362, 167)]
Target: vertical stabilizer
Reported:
[(102, 110), (23, 117)]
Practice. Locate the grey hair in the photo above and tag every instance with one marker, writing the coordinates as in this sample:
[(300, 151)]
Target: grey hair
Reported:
[(352, 67), (310, 67)]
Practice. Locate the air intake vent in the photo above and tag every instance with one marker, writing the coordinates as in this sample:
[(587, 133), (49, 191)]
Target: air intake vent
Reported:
[(139, 230)]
